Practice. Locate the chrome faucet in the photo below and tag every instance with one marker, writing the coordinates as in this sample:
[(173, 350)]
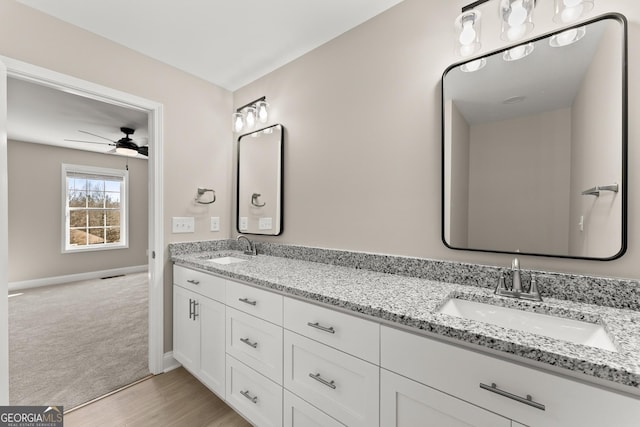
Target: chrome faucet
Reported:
[(516, 290), (252, 247)]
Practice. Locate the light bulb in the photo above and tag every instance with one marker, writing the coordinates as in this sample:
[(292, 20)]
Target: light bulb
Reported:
[(263, 112), (571, 3), (468, 34), (516, 32), (570, 10), (518, 14), (250, 117), (238, 122)]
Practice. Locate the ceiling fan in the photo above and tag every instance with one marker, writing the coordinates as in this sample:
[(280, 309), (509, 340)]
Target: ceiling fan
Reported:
[(125, 145)]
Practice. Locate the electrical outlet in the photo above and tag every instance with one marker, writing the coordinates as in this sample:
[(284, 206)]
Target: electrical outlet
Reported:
[(183, 224), (265, 223), (215, 223), (244, 223)]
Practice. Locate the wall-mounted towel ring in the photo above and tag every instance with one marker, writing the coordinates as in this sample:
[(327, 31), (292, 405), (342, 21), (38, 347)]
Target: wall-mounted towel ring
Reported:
[(595, 191), (255, 202), (202, 192)]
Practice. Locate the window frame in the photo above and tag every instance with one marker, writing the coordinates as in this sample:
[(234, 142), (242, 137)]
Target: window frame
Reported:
[(124, 207)]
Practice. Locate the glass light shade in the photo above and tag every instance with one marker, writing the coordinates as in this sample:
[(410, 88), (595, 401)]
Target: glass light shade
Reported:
[(518, 52), (467, 26), (250, 117), (517, 18), (262, 111), (471, 66), (570, 10), (238, 122), (568, 37)]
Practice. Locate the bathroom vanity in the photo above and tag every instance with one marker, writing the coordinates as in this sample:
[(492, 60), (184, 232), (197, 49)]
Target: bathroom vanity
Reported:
[(292, 342)]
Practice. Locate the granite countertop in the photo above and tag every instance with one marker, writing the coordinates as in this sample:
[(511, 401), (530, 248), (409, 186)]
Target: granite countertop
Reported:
[(414, 302)]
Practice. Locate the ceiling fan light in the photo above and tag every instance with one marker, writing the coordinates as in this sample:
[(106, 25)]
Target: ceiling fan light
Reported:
[(127, 148)]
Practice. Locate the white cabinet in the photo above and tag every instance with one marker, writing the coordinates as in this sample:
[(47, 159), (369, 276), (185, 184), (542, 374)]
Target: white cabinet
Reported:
[(199, 328), (254, 396), (343, 386), (298, 413), (406, 403), (526, 395)]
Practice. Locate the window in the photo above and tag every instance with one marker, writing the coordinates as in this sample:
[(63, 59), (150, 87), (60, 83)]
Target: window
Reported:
[(94, 208)]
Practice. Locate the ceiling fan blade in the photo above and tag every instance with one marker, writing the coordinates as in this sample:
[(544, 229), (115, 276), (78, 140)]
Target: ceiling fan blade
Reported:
[(144, 150), (89, 133), (88, 142)]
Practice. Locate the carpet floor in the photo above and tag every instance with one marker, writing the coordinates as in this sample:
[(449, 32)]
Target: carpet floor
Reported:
[(71, 343)]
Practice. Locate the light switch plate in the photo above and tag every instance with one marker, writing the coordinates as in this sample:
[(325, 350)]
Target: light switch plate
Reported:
[(244, 223), (215, 223), (183, 224)]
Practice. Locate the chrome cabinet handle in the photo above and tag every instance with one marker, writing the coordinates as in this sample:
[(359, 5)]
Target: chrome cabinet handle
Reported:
[(246, 394), (527, 401), (248, 342), (195, 313), (322, 328), (317, 377), (247, 301), (190, 308), (192, 281)]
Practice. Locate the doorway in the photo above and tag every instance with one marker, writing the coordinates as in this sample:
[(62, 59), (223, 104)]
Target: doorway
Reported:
[(20, 70)]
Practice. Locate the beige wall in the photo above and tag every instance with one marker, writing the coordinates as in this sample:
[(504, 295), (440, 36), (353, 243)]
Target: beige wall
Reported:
[(596, 155), (35, 213), (362, 155), (197, 130), (519, 183)]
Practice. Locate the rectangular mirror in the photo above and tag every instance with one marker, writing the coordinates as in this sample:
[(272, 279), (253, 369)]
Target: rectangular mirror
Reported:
[(259, 197), (534, 146)]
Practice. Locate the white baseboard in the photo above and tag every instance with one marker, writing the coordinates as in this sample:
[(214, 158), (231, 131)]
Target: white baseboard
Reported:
[(169, 363), (36, 283)]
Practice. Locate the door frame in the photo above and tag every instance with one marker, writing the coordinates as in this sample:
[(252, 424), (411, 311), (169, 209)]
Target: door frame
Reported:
[(21, 70)]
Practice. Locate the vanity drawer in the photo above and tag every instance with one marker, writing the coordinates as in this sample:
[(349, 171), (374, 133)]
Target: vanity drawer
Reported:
[(343, 386), (213, 287), (350, 334), (255, 342), (459, 372), (298, 413), (254, 396), (257, 302)]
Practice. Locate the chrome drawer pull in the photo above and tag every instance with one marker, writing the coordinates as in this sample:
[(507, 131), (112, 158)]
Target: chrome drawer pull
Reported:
[(194, 282), (322, 328), (247, 301), (246, 394), (249, 343), (527, 401), (191, 308), (318, 378)]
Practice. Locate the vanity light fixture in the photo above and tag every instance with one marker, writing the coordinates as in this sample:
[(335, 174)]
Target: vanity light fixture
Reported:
[(570, 10), (249, 114), (518, 52), (568, 37), (517, 18), (467, 26)]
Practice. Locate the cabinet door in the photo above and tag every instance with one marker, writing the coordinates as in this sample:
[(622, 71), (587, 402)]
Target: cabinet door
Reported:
[(298, 413), (211, 316), (186, 329), (406, 403)]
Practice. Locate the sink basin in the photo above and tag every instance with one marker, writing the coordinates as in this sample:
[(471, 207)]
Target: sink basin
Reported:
[(226, 258), (575, 331)]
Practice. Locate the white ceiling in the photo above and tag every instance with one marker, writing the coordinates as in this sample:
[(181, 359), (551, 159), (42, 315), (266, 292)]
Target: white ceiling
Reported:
[(227, 42)]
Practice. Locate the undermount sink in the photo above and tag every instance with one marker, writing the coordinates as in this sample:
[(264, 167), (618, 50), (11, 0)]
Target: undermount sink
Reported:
[(226, 258), (574, 331)]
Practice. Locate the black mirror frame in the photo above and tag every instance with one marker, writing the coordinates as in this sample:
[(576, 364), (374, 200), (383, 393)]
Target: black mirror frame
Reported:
[(624, 123)]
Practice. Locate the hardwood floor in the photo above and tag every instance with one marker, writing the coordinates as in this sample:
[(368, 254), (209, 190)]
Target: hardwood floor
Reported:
[(172, 399)]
